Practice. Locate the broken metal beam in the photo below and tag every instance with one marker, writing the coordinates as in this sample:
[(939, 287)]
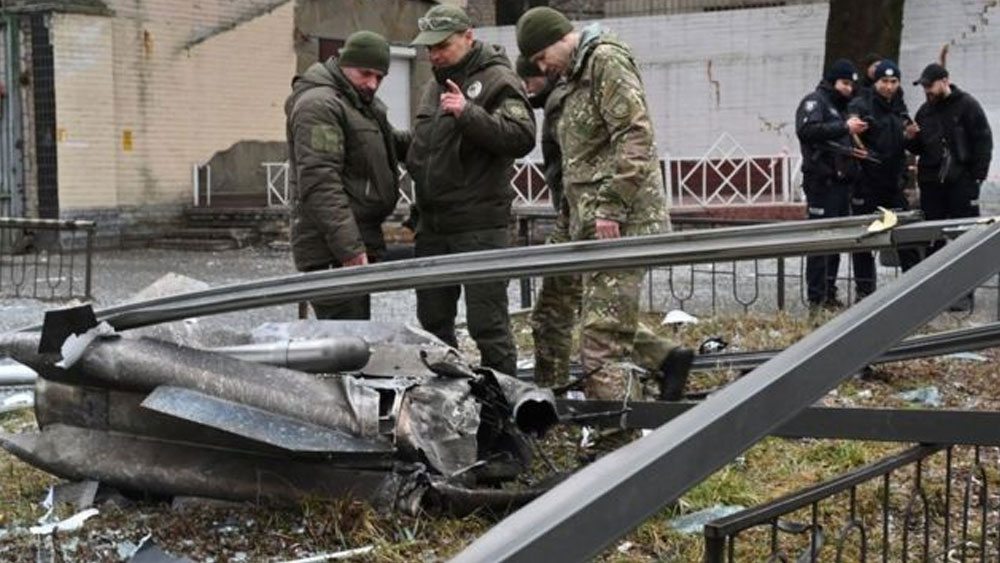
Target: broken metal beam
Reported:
[(924, 426), (923, 346), (582, 515)]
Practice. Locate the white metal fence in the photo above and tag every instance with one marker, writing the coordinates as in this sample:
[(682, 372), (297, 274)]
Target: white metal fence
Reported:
[(725, 174)]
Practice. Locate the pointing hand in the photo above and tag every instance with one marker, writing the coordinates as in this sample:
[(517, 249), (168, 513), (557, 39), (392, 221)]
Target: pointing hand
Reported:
[(453, 101)]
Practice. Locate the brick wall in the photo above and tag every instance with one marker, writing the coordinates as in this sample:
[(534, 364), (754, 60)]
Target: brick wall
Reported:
[(483, 12), (85, 110), (145, 94)]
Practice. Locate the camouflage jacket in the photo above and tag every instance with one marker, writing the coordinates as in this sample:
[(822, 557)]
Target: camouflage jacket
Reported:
[(342, 170), (610, 166)]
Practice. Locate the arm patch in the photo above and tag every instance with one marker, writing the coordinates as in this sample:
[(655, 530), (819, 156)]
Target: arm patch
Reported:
[(327, 138)]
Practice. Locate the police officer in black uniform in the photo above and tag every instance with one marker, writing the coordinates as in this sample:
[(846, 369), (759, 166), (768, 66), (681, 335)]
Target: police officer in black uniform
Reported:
[(882, 179), (954, 143), (829, 167)]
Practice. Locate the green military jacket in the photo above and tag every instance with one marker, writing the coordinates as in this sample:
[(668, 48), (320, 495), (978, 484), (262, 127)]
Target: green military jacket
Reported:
[(551, 154), (342, 170), (610, 166), (461, 167)]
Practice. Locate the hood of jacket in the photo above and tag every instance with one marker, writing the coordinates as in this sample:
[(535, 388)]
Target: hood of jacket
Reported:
[(590, 37), (328, 75)]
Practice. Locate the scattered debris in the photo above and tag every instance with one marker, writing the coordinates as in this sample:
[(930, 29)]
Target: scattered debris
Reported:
[(864, 394), (337, 555), (929, 396), (147, 552), (712, 345), (678, 317), (969, 356), (74, 522), (624, 547), (694, 522)]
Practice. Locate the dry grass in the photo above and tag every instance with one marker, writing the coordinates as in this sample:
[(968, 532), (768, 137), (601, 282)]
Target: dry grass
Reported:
[(766, 471)]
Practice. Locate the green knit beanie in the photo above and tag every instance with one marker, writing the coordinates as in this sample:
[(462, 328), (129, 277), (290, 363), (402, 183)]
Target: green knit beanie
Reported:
[(540, 27), (365, 49), (526, 68)]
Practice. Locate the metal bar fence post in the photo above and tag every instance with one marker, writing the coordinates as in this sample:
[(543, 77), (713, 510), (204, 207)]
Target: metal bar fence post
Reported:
[(781, 284), (715, 550), (524, 233), (88, 271)]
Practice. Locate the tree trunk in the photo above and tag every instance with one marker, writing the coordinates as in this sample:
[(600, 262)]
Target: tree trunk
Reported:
[(856, 28)]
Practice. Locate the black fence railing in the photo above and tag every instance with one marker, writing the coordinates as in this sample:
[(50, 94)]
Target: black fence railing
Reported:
[(928, 503), (765, 286), (46, 258)]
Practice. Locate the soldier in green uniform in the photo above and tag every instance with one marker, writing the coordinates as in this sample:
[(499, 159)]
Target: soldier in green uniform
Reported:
[(555, 312), (342, 171), (473, 120), (611, 180)]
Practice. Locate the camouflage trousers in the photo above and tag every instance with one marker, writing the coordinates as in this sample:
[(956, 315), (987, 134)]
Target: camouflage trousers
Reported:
[(553, 318), (610, 332), (612, 338)]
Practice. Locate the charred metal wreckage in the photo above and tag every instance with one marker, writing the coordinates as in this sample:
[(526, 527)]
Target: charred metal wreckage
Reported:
[(377, 411), (396, 417)]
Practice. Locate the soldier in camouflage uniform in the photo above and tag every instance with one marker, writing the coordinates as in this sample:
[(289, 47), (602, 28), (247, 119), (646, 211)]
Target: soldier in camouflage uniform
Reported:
[(611, 179), (555, 312), (342, 155)]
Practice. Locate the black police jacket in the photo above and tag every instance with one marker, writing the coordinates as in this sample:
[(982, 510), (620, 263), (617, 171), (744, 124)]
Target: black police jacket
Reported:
[(955, 139), (884, 138), (821, 126)]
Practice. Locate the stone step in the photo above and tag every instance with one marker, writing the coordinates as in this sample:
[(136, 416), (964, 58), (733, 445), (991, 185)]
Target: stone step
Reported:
[(203, 245), (227, 232)]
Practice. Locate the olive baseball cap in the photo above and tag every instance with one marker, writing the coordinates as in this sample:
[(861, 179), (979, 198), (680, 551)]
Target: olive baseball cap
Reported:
[(440, 23)]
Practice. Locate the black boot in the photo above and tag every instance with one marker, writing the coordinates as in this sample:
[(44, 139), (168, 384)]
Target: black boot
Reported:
[(674, 373)]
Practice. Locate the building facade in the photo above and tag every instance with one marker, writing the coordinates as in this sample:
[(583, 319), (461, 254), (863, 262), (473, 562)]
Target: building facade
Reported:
[(108, 106)]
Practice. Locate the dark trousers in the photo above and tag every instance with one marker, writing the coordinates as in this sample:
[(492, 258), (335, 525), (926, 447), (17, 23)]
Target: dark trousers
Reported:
[(866, 200), (485, 303), (825, 199), (949, 200), (358, 308)]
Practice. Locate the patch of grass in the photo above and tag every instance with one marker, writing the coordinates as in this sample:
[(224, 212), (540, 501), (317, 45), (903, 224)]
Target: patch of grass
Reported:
[(768, 470)]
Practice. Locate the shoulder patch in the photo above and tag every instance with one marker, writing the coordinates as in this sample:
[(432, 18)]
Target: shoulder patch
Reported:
[(474, 89), (515, 109), (327, 138), (809, 105)]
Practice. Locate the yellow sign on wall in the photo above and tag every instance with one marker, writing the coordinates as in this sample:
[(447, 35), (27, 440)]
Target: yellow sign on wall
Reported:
[(127, 140)]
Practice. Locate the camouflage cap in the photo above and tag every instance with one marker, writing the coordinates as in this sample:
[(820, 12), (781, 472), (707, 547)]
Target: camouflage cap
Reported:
[(440, 23)]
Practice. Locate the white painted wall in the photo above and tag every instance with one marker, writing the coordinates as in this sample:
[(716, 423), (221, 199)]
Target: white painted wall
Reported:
[(744, 72), (969, 30)]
